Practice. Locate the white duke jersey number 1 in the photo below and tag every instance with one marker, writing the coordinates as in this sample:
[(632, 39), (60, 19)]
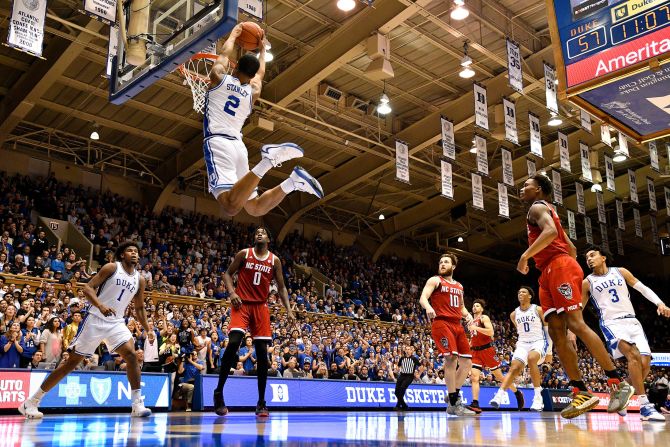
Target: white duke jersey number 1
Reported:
[(227, 107), (610, 295), (116, 293)]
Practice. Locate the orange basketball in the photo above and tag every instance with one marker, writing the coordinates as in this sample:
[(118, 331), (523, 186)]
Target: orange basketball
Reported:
[(251, 37)]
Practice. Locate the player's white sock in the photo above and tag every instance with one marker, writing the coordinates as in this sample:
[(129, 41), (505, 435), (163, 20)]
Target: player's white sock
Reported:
[(262, 167), (39, 394), (643, 399), (135, 395), (538, 390), (287, 186)]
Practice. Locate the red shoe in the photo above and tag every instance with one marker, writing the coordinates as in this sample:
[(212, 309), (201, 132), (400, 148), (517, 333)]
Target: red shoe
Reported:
[(262, 410)]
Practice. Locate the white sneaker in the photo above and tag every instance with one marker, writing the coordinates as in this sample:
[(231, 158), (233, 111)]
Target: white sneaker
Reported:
[(648, 413), (139, 410), (538, 403), (497, 399), (29, 409), (623, 412), (303, 181), (279, 153)]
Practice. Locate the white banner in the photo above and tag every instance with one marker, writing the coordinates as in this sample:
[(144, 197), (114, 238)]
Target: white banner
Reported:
[(619, 242), (448, 142), (653, 156), (535, 137), (572, 229), (477, 192), (654, 229), (651, 189), (481, 109), (609, 173), (447, 180), (550, 88), (26, 26), (558, 187), (589, 230), (585, 120), (600, 200), (604, 237), (103, 10), (507, 173), (253, 7), (511, 133), (564, 152), (532, 169), (503, 201), (112, 48), (638, 222), (623, 144), (632, 184), (620, 222), (514, 66), (401, 161), (667, 200), (586, 165), (605, 136), (482, 155), (579, 190)]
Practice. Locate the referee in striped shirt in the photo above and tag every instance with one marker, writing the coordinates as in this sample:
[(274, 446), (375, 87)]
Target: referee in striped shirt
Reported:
[(408, 363)]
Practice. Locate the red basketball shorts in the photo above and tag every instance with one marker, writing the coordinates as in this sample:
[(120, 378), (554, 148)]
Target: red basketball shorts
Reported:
[(450, 339), (254, 317), (486, 358), (561, 286)]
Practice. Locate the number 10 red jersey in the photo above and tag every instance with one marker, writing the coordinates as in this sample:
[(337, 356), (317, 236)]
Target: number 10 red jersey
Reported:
[(447, 300), (254, 277)]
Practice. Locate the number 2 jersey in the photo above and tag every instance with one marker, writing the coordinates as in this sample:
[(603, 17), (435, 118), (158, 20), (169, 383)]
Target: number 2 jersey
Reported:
[(116, 293), (254, 277), (610, 295), (447, 300), (227, 107)]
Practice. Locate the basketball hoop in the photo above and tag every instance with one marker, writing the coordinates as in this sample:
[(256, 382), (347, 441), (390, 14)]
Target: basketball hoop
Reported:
[(196, 74)]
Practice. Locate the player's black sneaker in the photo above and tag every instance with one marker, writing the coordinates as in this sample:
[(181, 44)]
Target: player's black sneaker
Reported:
[(520, 401), (474, 406), (219, 405), (262, 410)]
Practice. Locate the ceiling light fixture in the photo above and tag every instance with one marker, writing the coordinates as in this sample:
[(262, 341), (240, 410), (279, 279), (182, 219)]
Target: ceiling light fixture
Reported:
[(619, 155), (346, 5), (555, 120), (384, 107), (460, 12), (94, 133), (460, 239), (466, 72), (596, 187), (381, 216)]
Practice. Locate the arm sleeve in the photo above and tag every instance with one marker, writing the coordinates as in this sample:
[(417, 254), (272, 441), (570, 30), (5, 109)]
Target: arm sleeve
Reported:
[(648, 293)]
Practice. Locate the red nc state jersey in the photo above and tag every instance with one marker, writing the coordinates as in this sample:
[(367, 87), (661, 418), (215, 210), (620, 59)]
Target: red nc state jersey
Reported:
[(480, 339), (254, 277), (447, 300)]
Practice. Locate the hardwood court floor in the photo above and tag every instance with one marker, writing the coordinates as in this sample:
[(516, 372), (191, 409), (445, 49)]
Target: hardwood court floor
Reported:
[(333, 429)]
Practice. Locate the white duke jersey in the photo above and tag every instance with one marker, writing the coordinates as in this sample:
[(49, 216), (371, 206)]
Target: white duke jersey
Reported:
[(528, 324), (610, 295), (227, 107), (116, 292)]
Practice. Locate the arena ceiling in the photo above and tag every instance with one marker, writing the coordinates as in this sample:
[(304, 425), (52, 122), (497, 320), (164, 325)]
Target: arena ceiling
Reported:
[(48, 106)]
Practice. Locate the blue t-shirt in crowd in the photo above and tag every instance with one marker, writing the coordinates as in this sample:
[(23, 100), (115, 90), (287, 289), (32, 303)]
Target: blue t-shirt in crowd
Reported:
[(248, 364), (190, 371), (57, 266), (11, 358)]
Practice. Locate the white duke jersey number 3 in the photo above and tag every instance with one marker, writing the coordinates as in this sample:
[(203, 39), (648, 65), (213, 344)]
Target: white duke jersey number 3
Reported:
[(227, 107), (610, 295), (116, 292)]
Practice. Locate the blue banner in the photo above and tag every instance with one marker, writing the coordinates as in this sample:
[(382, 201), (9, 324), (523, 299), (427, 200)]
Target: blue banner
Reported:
[(660, 359)]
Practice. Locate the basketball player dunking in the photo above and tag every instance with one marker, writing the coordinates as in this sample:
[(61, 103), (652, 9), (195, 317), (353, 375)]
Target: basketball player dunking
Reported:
[(442, 298), (560, 284), (484, 354), (256, 267), (110, 293), (608, 289), (228, 103)]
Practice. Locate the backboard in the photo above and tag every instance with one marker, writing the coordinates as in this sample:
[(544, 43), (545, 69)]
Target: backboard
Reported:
[(161, 35)]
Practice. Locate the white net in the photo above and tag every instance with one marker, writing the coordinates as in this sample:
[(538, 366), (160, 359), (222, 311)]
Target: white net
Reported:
[(196, 74)]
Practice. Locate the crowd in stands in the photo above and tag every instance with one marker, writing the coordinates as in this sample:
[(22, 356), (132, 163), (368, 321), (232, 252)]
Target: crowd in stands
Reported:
[(355, 332)]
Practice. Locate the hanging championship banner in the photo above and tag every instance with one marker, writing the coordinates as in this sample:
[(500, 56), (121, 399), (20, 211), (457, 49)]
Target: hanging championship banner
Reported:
[(579, 190), (638, 222), (535, 137), (103, 10), (477, 193), (558, 188), (601, 207), (401, 161), (654, 229), (651, 189), (623, 144), (550, 88), (604, 238), (572, 230), (609, 173), (447, 180), (588, 229), (585, 120), (507, 173), (481, 109), (667, 200), (482, 155), (619, 242), (26, 26), (632, 184), (503, 201), (621, 223), (112, 48), (653, 156), (564, 151), (530, 164), (514, 66), (586, 165), (605, 136), (511, 133), (448, 142)]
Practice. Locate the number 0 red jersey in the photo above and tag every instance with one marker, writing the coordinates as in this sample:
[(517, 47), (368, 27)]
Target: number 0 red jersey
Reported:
[(447, 300), (254, 277)]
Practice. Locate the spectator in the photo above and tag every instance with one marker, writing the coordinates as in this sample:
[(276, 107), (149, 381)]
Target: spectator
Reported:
[(35, 361), (71, 330), (190, 368), (291, 372), (10, 347), (51, 341), (30, 337)]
